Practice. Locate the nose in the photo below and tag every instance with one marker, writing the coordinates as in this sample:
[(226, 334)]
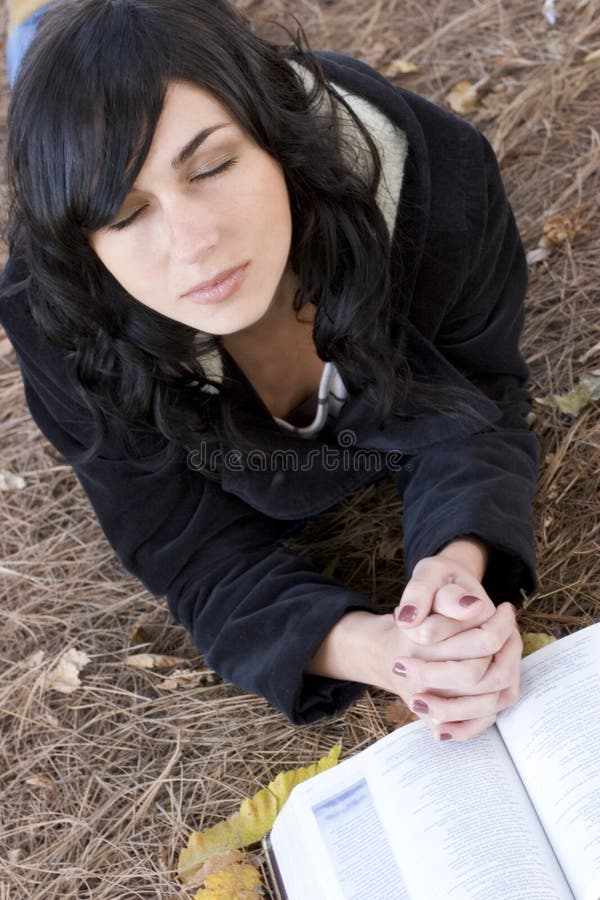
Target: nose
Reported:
[(192, 231)]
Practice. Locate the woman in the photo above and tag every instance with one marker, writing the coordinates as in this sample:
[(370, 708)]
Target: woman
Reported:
[(244, 280)]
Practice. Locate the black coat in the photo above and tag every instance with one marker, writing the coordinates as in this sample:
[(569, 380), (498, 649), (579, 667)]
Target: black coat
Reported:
[(255, 609)]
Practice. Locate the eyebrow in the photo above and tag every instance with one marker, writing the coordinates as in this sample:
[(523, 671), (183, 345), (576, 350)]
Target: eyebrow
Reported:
[(195, 143)]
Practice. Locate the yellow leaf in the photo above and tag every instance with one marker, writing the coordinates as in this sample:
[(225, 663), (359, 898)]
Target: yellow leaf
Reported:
[(239, 882), (585, 392), (218, 862), (153, 661), (253, 820), (282, 784), (533, 641)]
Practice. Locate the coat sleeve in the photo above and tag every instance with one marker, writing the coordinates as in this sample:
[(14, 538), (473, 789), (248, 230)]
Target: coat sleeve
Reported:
[(483, 484), (255, 609)]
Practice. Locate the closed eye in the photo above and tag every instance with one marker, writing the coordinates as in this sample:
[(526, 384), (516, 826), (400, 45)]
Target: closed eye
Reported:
[(201, 176)]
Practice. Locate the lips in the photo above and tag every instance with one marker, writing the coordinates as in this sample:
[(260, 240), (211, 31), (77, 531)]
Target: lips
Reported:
[(219, 288), (212, 282)]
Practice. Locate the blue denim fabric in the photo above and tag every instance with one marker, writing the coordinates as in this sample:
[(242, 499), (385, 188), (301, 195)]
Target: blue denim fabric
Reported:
[(297, 524), (19, 40)]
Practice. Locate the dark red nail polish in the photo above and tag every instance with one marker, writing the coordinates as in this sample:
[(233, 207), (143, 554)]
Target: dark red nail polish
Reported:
[(419, 706), (468, 601), (399, 669), (407, 614), (445, 736)]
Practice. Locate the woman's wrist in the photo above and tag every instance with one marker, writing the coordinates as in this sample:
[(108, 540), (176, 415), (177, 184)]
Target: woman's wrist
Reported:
[(352, 649), (470, 552)]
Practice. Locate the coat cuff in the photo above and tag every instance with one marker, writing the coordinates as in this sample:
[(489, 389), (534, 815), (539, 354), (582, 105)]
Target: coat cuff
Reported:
[(510, 573)]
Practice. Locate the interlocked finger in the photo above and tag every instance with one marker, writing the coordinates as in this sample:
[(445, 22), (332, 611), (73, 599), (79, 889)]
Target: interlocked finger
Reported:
[(442, 710), (483, 640)]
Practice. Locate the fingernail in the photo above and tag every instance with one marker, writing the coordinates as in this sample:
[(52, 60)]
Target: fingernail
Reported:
[(407, 614), (468, 601), (399, 669), (419, 706), (445, 736)]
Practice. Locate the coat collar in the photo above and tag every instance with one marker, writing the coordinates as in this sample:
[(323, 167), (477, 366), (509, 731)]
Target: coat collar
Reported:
[(338, 459)]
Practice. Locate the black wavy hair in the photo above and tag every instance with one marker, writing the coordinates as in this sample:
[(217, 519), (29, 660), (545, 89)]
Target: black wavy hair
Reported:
[(81, 120)]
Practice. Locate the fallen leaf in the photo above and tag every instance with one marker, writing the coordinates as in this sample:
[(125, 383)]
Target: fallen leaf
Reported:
[(586, 391), (463, 97), (589, 353), (45, 784), (539, 254), (10, 482), (389, 546), (239, 882), (253, 820), (217, 863), (153, 661), (64, 677), (533, 641), (549, 12), (179, 679), (504, 65), (401, 67), (592, 57), (145, 633), (561, 227), (398, 714)]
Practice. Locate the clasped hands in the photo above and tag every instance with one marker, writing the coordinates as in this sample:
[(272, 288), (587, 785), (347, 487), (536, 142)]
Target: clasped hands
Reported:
[(456, 656)]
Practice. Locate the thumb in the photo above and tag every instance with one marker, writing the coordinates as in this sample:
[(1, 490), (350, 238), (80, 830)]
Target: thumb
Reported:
[(416, 603)]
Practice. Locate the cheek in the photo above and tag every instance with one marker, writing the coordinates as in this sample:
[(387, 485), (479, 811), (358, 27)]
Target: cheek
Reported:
[(267, 200), (121, 262)]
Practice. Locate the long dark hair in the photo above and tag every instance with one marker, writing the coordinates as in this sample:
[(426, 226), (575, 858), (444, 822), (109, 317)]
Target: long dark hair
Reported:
[(81, 120)]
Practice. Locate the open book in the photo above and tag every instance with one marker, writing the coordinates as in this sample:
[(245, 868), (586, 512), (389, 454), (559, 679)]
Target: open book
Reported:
[(512, 814)]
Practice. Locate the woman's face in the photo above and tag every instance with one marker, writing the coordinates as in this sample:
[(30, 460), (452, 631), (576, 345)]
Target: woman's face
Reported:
[(207, 200)]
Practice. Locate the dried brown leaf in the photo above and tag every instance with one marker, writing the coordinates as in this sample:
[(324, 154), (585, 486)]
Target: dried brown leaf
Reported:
[(538, 254), (390, 545), (153, 661), (45, 784), (561, 227), (401, 66), (178, 679), (64, 677), (11, 482), (145, 633), (398, 714)]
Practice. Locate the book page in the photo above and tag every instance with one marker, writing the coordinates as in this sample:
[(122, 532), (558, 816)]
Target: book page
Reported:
[(330, 831), (461, 823), (412, 819), (553, 735)]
